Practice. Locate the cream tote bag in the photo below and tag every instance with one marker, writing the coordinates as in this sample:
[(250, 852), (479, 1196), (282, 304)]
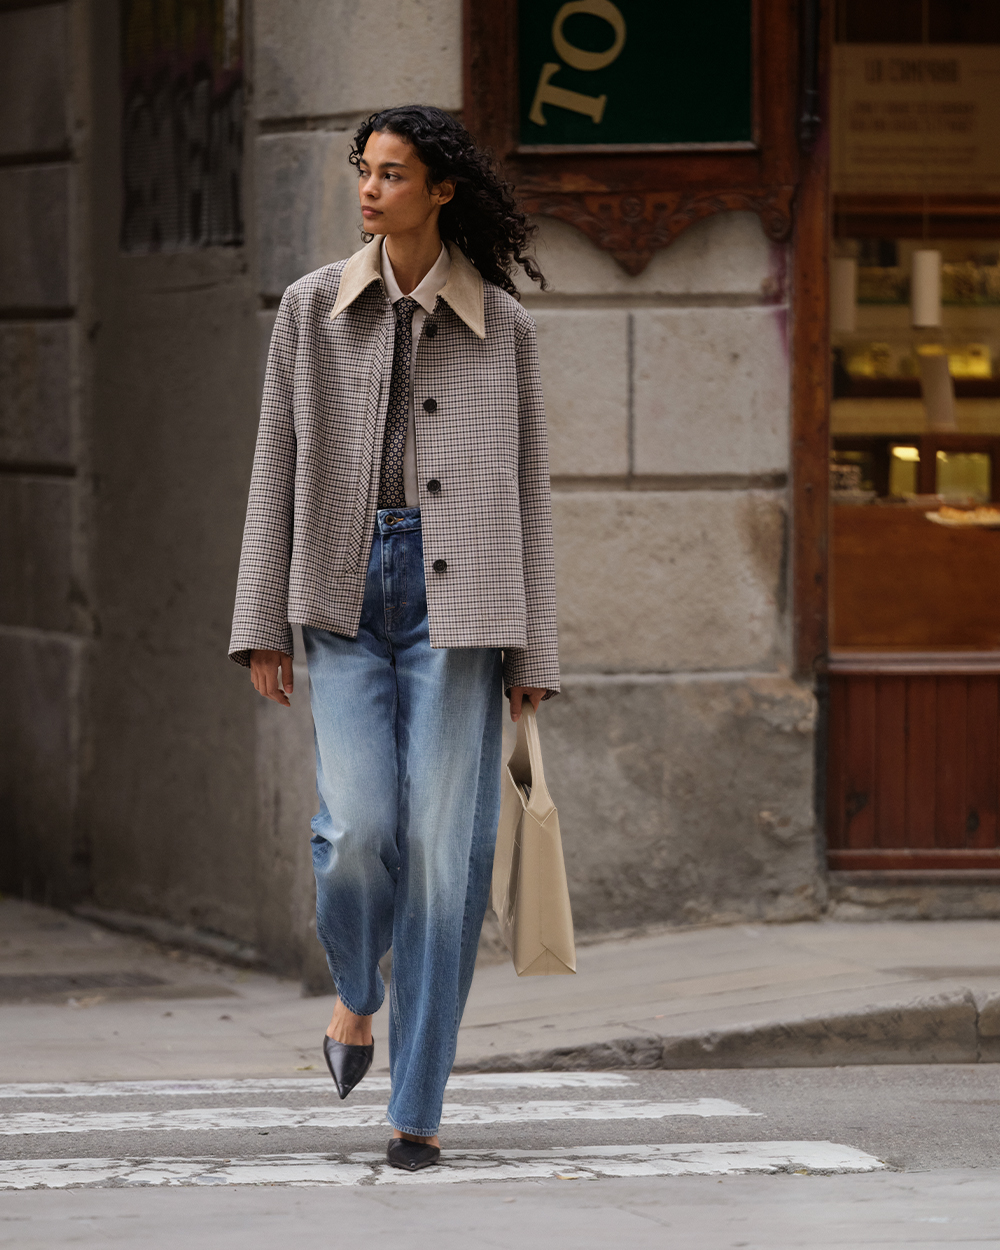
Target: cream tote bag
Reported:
[(530, 895)]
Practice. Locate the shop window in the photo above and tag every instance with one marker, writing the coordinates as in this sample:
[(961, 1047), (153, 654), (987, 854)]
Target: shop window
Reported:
[(915, 326)]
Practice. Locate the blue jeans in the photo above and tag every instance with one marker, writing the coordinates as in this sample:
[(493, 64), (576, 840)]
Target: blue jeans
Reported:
[(408, 773)]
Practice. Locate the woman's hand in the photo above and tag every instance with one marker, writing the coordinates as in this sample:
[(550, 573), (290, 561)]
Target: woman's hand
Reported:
[(535, 696), (264, 668)]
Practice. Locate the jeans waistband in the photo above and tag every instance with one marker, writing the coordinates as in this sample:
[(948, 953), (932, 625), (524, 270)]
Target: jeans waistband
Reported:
[(397, 521)]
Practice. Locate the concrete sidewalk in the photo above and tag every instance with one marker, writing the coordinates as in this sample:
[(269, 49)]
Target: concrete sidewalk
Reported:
[(80, 1003)]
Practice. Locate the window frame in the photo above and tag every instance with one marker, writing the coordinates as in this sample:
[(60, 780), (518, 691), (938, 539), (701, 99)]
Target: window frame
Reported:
[(631, 200)]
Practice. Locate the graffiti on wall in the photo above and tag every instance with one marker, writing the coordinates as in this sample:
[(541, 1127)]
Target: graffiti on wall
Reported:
[(182, 124)]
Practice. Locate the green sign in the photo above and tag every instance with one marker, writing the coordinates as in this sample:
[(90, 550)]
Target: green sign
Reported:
[(635, 72)]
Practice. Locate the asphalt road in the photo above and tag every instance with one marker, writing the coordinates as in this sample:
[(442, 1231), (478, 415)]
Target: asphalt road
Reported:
[(718, 1159)]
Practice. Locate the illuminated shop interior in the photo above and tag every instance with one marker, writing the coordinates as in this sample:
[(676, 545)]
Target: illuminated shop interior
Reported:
[(913, 759)]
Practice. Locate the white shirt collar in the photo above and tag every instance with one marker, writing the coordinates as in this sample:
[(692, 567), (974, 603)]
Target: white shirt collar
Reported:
[(427, 291)]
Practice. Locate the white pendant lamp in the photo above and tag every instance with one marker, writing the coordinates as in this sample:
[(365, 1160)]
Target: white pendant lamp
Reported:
[(843, 295), (925, 288)]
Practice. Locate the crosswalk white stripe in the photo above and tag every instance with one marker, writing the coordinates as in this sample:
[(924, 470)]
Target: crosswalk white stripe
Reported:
[(582, 1163), (353, 1115), (304, 1084)]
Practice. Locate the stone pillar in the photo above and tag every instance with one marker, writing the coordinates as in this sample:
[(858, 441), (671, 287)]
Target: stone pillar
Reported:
[(45, 619)]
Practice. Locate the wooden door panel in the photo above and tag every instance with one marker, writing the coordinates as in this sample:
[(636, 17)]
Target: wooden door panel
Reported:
[(836, 822), (890, 763), (950, 797), (921, 747), (859, 791), (983, 759), (914, 769)]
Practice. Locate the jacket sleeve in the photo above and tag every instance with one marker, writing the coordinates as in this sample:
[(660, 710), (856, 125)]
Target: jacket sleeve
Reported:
[(537, 664), (260, 619)]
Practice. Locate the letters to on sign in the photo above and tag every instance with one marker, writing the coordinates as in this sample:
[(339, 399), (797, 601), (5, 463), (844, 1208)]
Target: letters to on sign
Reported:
[(548, 92)]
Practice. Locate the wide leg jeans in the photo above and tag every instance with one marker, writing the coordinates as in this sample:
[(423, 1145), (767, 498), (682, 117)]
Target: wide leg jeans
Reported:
[(408, 773)]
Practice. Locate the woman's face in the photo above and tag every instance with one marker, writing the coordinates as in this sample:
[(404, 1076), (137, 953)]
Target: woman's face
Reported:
[(392, 187)]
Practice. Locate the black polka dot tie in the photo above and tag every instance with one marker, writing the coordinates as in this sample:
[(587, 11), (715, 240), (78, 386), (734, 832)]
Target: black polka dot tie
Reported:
[(391, 493)]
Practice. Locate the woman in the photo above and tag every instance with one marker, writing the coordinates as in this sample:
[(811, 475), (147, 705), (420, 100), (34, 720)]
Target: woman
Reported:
[(399, 511)]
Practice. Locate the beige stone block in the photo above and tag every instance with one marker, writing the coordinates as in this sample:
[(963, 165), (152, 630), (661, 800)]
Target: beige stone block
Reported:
[(711, 390), (584, 365), (307, 205), (726, 254), (659, 581), (34, 241), (684, 798), (321, 57), (36, 582), (35, 392), (33, 80)]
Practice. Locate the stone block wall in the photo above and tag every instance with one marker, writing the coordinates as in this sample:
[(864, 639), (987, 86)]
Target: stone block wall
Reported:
[(681, 752), (44, 616), (137, 765)]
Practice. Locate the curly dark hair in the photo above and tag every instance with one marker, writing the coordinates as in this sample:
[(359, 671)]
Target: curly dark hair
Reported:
[(484, 217)]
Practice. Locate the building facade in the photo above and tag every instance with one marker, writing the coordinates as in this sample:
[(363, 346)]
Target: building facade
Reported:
[(167, 170)]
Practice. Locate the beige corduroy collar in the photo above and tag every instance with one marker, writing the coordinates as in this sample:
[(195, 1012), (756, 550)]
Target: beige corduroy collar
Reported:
[(463, 292)]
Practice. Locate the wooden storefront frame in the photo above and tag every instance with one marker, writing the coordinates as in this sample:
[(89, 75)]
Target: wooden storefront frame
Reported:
[(632, 202), (926, 779), (809, 345)]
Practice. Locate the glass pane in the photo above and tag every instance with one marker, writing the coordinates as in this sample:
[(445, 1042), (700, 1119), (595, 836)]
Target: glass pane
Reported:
[(904, 467), (964, 474)]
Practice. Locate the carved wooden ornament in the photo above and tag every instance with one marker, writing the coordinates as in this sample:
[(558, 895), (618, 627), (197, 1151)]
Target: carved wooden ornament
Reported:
[(629, 198)]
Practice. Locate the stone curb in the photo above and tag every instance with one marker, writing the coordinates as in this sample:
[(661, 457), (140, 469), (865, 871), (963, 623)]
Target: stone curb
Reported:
[(947, 1028)]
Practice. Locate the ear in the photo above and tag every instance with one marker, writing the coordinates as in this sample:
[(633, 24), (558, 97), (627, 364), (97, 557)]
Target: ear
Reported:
[(443, 191)]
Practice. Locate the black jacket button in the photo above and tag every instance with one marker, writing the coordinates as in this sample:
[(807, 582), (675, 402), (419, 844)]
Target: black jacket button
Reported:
[(434, 486), (440, 566), (430, 329), (430, 405)]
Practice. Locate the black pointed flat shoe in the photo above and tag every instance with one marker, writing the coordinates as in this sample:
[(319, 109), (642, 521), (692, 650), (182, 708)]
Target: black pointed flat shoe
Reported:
[(411, 1156), (347, 1064)]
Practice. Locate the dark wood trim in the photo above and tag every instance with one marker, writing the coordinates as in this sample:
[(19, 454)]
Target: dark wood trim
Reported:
[(916, 216), (630, 202), (810, 355), (916, 663), (945, 878), (905, 860), (909, 388)]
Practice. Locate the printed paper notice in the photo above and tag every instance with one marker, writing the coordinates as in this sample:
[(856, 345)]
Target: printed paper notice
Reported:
[(916, 119)]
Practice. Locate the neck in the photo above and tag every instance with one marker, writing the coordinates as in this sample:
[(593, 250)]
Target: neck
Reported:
[(413, 254)]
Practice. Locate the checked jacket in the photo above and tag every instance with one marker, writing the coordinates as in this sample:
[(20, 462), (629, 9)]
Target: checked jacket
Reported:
[(480, 444)]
